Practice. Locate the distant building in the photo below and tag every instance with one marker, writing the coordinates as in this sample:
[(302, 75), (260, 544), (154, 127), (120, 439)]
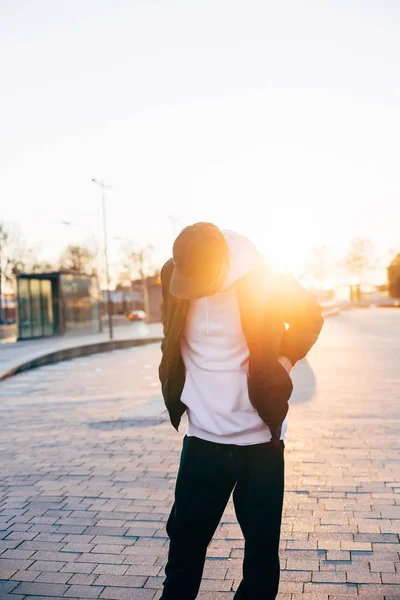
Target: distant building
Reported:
[(123, 300), (155, 297), (56, 304), (394, 277), (127, 298)]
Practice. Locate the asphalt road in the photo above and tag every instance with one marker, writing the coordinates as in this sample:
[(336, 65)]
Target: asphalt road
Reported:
[(89, 463)]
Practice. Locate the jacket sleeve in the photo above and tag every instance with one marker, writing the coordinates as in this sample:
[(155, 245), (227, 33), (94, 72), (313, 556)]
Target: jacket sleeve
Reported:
[(165, 277), (302, 313)]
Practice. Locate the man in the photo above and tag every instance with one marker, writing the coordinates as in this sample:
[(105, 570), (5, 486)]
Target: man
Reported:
[(226, 361)]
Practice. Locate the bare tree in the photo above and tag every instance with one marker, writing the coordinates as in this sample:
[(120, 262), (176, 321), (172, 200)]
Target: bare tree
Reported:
[(357, 262), (79, 259), (15, 256), (359, 258), (137, 262), (317, 267), (43, 266)]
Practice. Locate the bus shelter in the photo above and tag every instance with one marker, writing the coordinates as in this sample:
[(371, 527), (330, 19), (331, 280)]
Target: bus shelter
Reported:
[(58, 303)]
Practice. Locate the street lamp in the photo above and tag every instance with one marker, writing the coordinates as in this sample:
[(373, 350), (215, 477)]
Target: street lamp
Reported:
[(105, 187)]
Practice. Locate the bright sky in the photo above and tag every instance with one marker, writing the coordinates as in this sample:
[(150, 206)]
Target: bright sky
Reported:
[(277, 119)]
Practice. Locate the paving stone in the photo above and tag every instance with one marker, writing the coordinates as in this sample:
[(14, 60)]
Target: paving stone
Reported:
[(84, 591), (21, 535), (289, 587), (113, 540), (9, 544), (81, 578), (42, 546), (302, 565), (101, 558), (328, 577), (339, 589), (362, 577), (338, 555), (150, 543), (7, 573), (382, 567), (6, 587), (303, 554), (50, 537), (145, 570), (84, 522), (143, 550), (77, 548), (344, 566), (73, 538), (47, 565), (76, 567), (120, 593), (301, 545), (391, 578), (52, 577), (145, 559), (55, 556), (316, 596), (24, 554), (118, 531), (356, 546), (215, 596), (41, 589), (209, 585), (300, 576), (385, 547), (15, 564), (121, 581), (111, 569), (361, 556), (333, 597), (382, 590), (71, 529), (107, 549), (29, 575)]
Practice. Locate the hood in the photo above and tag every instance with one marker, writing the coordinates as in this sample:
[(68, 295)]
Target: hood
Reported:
[(243, 256)]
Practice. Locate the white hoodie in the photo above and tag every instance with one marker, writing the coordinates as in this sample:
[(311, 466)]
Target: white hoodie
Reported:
[(216, 357)]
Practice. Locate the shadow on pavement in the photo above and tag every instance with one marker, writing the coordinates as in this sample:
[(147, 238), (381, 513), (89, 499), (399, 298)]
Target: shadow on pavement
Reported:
[(304, 382)]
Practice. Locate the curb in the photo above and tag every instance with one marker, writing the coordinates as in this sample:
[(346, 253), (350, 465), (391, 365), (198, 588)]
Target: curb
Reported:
[(76, 352)]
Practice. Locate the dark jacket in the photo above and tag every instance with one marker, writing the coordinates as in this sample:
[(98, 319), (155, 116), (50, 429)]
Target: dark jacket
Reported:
[(267, 301)]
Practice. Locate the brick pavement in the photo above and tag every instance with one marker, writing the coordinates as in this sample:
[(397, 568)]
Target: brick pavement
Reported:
[(88, 473)]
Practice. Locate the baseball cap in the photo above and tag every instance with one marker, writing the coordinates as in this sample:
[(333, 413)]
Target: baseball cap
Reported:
[(199, 252)]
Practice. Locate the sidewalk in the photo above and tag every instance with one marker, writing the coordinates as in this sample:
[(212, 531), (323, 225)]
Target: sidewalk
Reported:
[(86, 485), (14, 354)]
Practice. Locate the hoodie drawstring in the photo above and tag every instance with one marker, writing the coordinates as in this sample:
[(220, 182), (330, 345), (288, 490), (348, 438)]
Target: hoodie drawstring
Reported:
[(207, 324)]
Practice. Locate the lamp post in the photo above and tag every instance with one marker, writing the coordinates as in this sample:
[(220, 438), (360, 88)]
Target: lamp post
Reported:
[(105, 187)]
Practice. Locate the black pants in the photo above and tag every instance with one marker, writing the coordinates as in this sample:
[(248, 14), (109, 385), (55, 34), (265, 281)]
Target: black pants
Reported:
[(207, 475)]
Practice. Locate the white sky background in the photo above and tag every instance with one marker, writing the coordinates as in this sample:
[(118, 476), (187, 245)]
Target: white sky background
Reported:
[(278, 119)]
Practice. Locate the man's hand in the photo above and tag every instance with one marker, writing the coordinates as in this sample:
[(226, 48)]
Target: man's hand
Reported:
[(286, 364)]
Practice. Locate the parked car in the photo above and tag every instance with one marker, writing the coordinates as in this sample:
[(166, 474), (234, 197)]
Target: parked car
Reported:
[(137, 315)]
